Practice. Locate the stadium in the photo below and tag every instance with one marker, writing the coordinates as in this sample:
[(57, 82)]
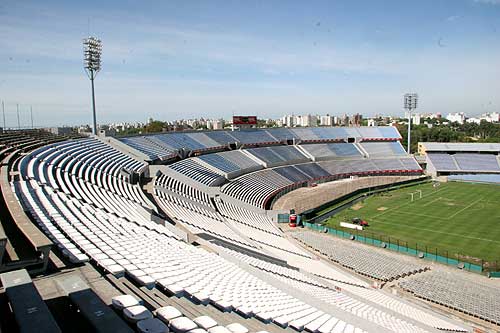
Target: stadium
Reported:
[(192, 232), (248, 167)]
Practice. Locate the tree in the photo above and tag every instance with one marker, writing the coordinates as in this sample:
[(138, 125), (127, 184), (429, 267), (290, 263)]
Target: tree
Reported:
[(454, 132), (154, 126)]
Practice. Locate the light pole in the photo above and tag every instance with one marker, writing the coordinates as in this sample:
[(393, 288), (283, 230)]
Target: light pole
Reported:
[(18, 122), (3, 113), (410, 103), (92, 50)]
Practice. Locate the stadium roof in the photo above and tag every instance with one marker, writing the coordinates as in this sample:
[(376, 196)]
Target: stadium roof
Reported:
[(460, 147)]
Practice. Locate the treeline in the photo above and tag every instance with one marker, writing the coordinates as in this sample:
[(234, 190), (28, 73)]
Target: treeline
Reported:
[(454, 132), (153, 126)]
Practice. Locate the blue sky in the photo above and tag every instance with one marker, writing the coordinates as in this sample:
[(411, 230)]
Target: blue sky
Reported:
[(182, 59)]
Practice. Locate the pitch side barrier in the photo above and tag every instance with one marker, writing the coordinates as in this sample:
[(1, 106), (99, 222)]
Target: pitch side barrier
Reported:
[(423, 252)]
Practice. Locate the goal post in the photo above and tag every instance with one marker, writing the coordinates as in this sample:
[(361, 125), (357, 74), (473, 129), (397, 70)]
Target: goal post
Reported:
[(413, 195)]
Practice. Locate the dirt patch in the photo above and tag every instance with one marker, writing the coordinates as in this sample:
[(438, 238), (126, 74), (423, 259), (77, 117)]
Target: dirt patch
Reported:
[(357, 206), (382, 208), (450, 204)]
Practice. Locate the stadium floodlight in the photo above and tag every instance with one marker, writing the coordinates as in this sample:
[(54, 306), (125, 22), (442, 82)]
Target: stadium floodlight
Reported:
[(18, 121), (410, 103), (92, 50), (3, 113)]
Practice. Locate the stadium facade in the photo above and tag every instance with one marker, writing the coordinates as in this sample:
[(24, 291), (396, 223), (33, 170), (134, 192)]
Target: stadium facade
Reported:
[(479, 161)]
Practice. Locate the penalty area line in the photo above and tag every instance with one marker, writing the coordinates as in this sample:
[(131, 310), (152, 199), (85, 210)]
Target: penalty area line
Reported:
[(466, 207)]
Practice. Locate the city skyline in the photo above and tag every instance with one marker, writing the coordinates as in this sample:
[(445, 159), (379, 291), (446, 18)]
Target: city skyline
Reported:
[(214, 59)]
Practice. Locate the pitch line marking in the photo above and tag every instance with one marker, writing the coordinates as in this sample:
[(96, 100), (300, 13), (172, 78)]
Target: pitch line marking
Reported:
[(442, 232), (423, 215), (409, 202), (466, 207), (432, 201), (433, 217)]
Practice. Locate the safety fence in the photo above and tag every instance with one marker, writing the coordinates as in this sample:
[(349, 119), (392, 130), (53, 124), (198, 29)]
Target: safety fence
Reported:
[(422, 251)]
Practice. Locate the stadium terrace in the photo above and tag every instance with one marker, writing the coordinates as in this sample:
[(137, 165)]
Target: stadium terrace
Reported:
[(181, 232)]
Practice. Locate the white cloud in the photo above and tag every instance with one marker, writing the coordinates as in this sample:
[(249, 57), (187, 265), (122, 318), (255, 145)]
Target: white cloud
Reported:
[(489, 2), (133, 42), (171, 69), (454, 17)]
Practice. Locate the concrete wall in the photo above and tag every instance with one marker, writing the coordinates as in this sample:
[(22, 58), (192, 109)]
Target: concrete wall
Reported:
[(430, 169)]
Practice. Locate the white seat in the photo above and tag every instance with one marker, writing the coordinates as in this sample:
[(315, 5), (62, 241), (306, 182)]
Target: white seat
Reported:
[(205, 322), (124, 301), (219, 329), (237, 328), (201, 298), (224, 306), (135, 313), (167, 313), (182, 325), (173, 288), (144, 280), (244, 311)]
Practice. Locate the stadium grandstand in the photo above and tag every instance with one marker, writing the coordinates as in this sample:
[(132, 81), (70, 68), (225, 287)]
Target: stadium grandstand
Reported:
[(463, 161), (177, 232)]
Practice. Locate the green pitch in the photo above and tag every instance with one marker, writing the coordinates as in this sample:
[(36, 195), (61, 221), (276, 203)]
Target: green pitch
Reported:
[(459, 218)]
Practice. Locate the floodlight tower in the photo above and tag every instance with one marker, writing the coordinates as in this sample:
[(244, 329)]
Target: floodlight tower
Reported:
[(3, 113), (92, 50), (410, 103), (18, 121)]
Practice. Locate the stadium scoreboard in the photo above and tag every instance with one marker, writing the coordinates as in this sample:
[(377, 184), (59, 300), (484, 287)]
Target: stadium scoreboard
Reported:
[(245, 120)]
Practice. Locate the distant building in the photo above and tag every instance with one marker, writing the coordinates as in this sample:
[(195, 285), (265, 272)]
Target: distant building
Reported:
[(473, 120), (106, 132), (344, 120), (493, 117), (297, 120), (372, 122), (300, 120), (416, 119), (309, 121), (355, 120), (288, 121), (84, 129), (216, 124), (326, 120), (458, 117), (61, 130)]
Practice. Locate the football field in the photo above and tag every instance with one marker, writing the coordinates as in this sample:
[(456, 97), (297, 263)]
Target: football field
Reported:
[(453, 217)]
